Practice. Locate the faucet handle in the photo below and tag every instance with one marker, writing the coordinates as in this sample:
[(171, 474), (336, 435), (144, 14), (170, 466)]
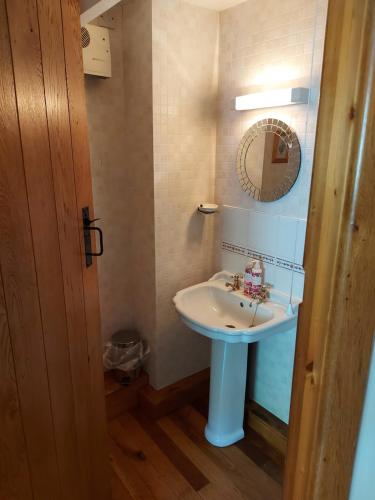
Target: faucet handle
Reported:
[(237, 275), (236, 285)]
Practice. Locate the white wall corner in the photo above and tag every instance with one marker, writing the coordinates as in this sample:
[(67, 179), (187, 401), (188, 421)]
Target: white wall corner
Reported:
[(91, 9)]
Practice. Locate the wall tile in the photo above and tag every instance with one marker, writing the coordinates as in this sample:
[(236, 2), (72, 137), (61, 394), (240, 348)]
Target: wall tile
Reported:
[(262, 232), (298, 285), (234, 225), (286, 234), (232, 262), (283, 280), (300, 243), (274, 237), (271, 383)]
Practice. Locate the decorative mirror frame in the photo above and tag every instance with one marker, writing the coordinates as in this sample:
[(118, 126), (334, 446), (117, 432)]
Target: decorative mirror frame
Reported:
[(286, 133)]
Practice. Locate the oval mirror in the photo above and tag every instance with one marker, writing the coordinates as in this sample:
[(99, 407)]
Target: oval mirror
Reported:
[(268, 160)]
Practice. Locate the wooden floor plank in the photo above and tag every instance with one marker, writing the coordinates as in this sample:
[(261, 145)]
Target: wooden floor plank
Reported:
[(261, 453), (213, 492), (125, 470), (119, 491), (254, 446), (180, 461), (133, 447), (215, 474), (145, 450), (170, 458), (250, 479)]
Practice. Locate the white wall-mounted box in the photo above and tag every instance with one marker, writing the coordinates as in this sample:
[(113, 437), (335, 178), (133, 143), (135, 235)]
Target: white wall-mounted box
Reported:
[(96, 51)]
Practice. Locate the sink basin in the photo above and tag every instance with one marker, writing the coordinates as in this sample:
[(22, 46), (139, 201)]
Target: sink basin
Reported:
[(232, 321), (210, 308)]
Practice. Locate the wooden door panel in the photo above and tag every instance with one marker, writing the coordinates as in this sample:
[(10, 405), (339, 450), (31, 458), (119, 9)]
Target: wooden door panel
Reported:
[(29, 84), (14, 470), (21, 288), (69, 227), (57, 398), (82, 171)]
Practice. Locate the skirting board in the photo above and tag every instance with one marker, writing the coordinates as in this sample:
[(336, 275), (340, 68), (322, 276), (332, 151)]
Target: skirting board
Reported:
[(159, 403), (154, 403), (269, 427), (120, 398)]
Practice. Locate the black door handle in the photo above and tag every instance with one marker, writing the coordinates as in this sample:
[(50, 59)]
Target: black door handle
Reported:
[(87, 228), (101, 251)]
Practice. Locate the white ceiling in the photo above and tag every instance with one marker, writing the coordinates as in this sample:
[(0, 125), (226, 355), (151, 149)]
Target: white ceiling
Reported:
[(90, 9), (216, 4)]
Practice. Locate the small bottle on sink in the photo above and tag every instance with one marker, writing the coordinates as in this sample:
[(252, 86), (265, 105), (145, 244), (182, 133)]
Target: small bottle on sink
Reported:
[(248, 277), (257, 278)]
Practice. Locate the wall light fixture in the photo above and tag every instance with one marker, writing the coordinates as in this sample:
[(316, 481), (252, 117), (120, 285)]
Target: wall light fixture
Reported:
[(273, 98)]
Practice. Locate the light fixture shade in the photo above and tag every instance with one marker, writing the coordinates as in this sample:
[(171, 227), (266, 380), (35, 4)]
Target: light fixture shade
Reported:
[(273, 98)]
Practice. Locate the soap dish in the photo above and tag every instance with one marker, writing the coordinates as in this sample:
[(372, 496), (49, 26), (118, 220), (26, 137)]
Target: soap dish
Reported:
[(208, 208)]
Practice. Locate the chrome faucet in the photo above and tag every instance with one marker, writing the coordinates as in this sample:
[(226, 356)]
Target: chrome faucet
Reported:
[(236, 285)]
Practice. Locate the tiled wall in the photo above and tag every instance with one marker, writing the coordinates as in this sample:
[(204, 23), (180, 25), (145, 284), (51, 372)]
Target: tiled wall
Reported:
[(184, 92), (106, 120), (138, 144), (268, 44), (264, 45), (154, 125), (121, 146), (278, 241)]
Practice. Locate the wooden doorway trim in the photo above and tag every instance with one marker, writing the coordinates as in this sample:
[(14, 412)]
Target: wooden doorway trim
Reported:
[(337, 320)]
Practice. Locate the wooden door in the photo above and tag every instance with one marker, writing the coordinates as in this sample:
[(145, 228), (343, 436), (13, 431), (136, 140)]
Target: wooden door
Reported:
[(52, 420)]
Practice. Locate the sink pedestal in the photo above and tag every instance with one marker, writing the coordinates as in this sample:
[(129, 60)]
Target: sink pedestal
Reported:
[(227, 393)]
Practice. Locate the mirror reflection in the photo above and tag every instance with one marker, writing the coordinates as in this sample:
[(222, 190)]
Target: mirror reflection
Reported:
[(268, 160)]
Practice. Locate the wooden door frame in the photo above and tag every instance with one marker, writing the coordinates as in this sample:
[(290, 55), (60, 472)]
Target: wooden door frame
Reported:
[(337, 319)]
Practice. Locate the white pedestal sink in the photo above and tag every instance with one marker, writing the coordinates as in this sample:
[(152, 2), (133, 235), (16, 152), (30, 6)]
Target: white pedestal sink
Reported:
[(225, 316)]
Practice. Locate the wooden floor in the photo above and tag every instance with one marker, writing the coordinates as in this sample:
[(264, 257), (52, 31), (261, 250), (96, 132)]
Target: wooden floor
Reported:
[(169, 458)]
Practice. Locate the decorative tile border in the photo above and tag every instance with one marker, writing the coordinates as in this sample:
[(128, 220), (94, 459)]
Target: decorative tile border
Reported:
[(233, 248), (269, 259)]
